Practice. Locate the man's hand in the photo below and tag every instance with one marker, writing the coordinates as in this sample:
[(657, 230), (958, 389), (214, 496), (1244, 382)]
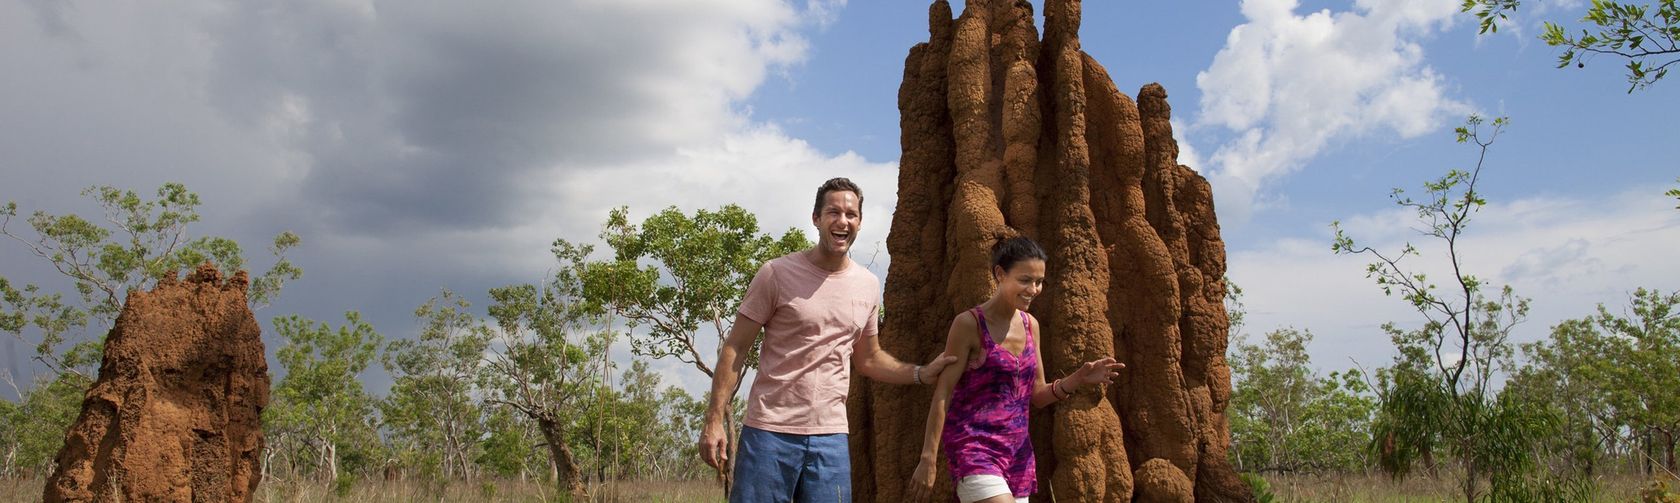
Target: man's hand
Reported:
[(930, 372), (714, 445)]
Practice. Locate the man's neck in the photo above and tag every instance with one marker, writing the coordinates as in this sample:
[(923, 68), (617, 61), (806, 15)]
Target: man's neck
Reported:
[(826, 261)]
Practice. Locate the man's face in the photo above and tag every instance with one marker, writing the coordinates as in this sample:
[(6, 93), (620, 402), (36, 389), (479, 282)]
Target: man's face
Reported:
[(838, 221)]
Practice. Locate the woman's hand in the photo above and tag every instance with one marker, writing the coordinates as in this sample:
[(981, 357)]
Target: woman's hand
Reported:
[(921, 483), (1097, 372)]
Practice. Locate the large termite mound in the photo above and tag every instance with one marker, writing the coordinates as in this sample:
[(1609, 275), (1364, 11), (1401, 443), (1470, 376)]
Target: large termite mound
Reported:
[(1005, 134), (176, 414)]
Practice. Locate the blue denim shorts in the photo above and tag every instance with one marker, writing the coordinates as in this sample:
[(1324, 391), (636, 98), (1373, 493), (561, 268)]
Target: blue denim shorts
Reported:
[(775, 467)]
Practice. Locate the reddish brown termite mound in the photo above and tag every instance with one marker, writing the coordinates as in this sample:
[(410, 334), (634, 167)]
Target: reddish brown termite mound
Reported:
[(176, 414), (1006, 134)]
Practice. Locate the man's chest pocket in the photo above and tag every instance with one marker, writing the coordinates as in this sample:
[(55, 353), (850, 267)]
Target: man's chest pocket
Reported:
[(860, 314)]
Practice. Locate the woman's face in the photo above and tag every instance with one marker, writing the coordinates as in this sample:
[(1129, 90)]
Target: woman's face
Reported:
[(1020, 283)]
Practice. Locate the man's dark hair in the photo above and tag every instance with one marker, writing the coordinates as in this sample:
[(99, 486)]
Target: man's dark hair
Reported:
[(1009, 251), (834, 184)]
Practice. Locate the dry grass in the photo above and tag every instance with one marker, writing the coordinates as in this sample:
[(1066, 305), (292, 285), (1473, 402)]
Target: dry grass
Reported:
[(1381, 489), (25, 490), (1287, 489), (21, 489), (485, 491)]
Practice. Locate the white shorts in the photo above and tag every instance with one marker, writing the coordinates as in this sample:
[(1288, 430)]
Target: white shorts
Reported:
[(978, 487)]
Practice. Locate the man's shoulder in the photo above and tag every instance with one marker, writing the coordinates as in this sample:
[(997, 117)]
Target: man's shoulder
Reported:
[(863, 272), (778, 264), (863, 278), (785, 261)]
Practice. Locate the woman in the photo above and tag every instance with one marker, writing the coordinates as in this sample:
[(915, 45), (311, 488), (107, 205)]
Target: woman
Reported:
[(984, 431)]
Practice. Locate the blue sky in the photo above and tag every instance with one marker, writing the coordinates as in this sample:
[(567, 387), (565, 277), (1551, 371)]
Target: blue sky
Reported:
[(422, 145)]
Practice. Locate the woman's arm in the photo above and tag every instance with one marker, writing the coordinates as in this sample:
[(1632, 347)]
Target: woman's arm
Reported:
[(959, 341), (1043, 393), (1093, 372)]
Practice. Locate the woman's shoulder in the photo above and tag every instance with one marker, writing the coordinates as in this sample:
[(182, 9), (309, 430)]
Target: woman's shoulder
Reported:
[(964, 319)]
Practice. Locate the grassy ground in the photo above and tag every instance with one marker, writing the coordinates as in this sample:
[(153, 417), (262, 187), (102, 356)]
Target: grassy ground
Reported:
[(1287, 489), (26, 490), (500, 490), (1381, 489)]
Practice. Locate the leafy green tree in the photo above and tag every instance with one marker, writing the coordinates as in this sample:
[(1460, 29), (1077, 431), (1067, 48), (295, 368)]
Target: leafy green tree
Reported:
[(1411, 407), (433, 420), (32, 430), (535, 368), (673, 274), (1339, 421), (10, 418), (685, 415), (510, 447), (1643, 36), (646, 432), (1234, 309), (1285, 417), (1645, 349), (1440, 387), (320, 404), (139, 241), (1567, 371)]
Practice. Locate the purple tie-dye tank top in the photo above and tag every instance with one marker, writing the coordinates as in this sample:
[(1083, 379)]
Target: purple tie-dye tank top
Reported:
[(986, 424)]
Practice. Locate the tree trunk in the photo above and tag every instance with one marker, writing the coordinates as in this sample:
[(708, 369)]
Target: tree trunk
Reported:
[(1469, 476), (1669, 450), (565, 467), (1648, 456), (729, 440), (332, 462)]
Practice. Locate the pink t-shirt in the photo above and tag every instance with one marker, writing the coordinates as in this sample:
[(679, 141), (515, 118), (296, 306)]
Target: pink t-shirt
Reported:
[(811, 319)]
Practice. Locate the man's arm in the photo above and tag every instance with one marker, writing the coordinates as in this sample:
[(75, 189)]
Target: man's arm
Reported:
[(732, 358), (877, 364)]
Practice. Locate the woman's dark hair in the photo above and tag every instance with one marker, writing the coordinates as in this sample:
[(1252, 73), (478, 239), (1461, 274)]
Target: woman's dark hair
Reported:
[(1009, 251)]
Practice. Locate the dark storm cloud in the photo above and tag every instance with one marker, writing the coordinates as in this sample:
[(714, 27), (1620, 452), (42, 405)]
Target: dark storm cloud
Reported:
[(418, 114), (414, 145)]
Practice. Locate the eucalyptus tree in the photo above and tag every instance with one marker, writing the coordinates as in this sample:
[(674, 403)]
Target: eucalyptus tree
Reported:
[(1567, 370), (1285, 417), (539, 362), (431, 413), (320, 401), (1440, 390), (674, 275), (1644, 346)]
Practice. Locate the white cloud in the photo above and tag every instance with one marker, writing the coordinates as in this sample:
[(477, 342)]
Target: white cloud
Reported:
[(761, 169), (1286, 86), (1567, 254), (1187, 153)]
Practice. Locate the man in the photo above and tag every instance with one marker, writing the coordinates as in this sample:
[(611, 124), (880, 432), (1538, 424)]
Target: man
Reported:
[(818, 311)]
